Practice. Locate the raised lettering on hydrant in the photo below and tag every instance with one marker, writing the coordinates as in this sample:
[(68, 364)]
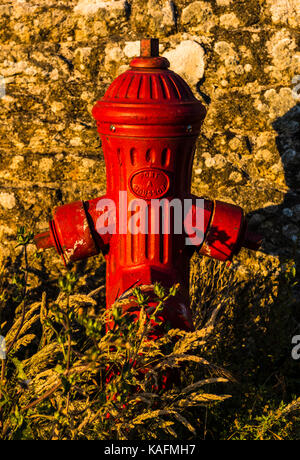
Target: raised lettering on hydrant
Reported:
[(148, 224)]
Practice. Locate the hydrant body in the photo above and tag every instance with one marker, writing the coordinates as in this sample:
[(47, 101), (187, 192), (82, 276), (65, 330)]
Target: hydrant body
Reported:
[(149, 121)]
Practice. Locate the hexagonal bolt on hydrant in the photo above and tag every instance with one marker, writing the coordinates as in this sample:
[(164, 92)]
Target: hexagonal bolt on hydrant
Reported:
[(149, 121)]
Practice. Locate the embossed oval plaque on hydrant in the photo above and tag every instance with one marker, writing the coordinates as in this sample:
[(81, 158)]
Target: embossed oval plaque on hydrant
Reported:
[(149, 183)]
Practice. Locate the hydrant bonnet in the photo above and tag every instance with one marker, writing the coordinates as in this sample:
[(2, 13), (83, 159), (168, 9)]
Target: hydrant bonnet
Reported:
[(149, 99)]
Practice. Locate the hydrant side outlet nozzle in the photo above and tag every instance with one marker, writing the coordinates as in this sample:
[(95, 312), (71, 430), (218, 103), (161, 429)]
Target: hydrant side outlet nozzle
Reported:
[(148, 121)]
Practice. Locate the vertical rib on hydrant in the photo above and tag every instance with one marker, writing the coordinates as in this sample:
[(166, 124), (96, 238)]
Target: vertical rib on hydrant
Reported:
[(149, 224)]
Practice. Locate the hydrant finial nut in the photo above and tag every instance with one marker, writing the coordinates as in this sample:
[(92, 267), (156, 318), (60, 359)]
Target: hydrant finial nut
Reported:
[(149, 47)]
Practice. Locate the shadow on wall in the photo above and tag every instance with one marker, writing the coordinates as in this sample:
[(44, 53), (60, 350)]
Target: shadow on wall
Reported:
[(280, 224)]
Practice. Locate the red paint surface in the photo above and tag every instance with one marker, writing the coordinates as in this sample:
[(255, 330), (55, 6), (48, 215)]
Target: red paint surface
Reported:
[(149, 121)]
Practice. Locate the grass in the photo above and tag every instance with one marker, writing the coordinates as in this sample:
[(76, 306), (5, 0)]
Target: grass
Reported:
[(69, 376)]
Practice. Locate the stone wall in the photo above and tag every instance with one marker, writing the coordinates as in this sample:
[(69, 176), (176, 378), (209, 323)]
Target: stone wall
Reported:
[(241, 59)]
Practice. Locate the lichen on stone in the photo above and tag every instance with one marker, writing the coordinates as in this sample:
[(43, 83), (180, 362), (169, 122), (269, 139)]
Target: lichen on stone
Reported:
[(239, 57)]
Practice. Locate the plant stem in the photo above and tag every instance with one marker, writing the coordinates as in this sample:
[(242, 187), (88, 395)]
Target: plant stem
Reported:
[(23, 301), (3, 364)]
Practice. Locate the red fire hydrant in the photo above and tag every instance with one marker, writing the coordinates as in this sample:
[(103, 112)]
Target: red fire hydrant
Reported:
[(149, 121)]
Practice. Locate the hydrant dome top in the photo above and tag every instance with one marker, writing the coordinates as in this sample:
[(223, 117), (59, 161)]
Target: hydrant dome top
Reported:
[(140, 86), (149, 94)]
